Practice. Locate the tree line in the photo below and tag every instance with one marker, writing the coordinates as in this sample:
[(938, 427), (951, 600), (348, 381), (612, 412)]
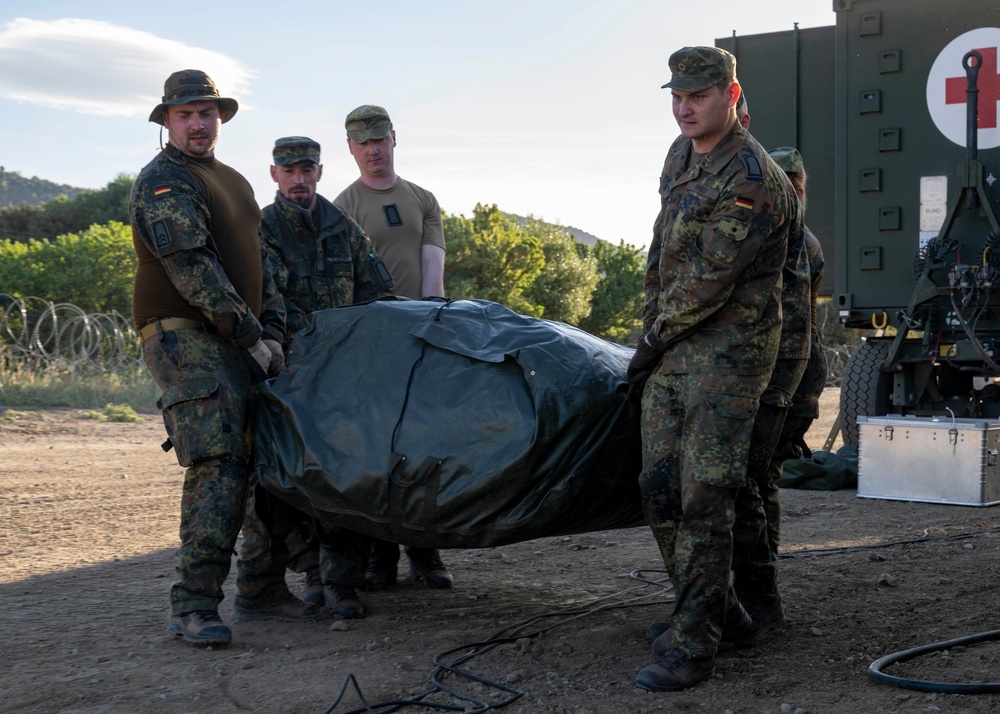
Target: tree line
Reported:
[(80, 251)]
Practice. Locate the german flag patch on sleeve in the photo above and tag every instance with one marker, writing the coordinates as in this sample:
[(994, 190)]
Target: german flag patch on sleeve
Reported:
[(160, 190), (744, 202)]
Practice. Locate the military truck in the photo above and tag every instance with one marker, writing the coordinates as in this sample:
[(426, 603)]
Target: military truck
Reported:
[(914, 87)]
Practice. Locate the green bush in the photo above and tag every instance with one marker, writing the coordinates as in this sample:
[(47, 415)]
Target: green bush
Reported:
[(92, 269)]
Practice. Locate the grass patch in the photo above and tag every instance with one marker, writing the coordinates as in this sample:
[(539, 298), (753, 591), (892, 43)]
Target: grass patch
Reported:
[(113, 412), (24, 383), (12, 415)]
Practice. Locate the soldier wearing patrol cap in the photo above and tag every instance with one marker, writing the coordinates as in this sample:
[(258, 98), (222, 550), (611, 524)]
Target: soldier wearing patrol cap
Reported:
[(711, 325), (404, 222), (212, 324), (403, 219), (321, 258), (805, 403), (756, 528), (758, 509)]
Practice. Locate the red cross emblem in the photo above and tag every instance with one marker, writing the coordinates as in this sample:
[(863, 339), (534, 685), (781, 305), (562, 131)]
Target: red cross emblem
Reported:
[(989, 89)]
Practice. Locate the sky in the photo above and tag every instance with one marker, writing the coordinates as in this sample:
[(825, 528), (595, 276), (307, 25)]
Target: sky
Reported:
[(546, 108)]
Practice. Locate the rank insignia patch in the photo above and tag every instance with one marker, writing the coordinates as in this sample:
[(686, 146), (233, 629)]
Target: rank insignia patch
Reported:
[(161, 234)]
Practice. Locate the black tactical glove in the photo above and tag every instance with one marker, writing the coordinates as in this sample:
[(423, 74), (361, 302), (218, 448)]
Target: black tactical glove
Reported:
[(648, 354)]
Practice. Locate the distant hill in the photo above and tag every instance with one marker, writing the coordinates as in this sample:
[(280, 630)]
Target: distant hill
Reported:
[(582, 236), (16, 190), (579, 235), (43, 210)]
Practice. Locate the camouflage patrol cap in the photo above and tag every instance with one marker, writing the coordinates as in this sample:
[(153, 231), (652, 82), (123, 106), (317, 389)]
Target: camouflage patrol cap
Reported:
[(290, 150), (788, 159), (698, 68), (192, 85), (368, 122)]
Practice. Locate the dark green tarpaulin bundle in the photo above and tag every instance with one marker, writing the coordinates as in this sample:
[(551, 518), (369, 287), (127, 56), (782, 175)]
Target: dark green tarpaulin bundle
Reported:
[(452, 425)]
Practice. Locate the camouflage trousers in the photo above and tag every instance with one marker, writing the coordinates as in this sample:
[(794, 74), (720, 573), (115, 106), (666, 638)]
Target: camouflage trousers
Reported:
[(265, 553), (206, 399), (695, 435), (805, 404), (757, 530), (341, 555)]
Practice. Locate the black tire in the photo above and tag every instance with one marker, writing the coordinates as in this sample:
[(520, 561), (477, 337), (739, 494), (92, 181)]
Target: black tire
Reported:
[(865, 389)]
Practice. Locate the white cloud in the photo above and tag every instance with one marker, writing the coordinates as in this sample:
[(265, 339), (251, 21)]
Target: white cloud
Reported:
[(99, 68)]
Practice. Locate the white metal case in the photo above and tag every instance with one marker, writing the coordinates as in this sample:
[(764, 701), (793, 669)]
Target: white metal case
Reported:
[(936, 460)]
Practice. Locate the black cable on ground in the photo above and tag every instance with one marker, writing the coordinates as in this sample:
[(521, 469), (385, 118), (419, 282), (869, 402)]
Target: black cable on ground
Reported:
[(876, 667), (449, 663), (511, 634), (888, 544)]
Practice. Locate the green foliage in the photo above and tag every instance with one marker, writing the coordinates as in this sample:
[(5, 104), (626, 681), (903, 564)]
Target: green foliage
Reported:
[(16, 190), (92, 269), (61, 214), (491, 258), (563, 289), (539, 269), (616, 304), (113, 412)]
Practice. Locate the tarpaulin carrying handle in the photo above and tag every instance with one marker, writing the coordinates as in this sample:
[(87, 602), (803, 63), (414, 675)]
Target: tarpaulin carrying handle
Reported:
[(429, 473)]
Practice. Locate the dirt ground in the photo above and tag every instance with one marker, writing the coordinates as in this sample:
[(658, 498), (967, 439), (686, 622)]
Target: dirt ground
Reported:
[(88, 525)]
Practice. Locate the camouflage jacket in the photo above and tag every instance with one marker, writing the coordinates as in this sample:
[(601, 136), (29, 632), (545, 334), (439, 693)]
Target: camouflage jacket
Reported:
[(713, 277), (179, 254), (796, 292), (814, 255), (318, 267)]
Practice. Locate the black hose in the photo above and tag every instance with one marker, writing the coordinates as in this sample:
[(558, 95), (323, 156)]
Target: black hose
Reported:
[(876, 673)]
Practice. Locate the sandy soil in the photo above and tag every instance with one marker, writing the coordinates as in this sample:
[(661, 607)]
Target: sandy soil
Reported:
[(88, 524)]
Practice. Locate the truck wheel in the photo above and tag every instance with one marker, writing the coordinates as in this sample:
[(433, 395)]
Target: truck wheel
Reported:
[(864, 388)]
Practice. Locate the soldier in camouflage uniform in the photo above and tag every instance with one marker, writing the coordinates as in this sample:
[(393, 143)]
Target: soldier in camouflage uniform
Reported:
[(711, 320), (212, 323), (805, 402), (758, 510), (321, 258)]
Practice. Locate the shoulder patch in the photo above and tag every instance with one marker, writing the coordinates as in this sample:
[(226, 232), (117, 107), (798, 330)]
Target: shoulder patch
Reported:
[(160, 190), (744, 202), (752, 166)]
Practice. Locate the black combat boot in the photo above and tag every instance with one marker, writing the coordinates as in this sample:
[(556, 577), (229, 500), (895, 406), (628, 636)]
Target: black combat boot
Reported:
[(675, 670), (738, 629), (313, 591), (757, 588), (381, 572), (342, 600), (425, 563)]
